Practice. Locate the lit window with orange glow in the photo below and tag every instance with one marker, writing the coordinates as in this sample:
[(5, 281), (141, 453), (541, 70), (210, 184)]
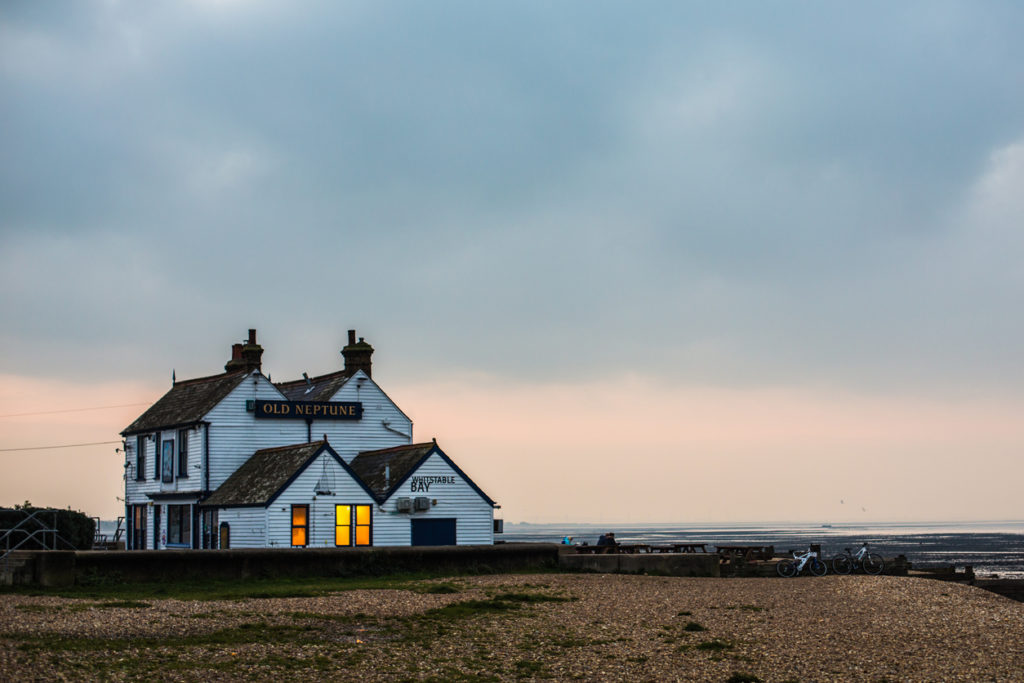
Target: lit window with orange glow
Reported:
[(363, 525), (300, 525), (353, 525), (342, 525)]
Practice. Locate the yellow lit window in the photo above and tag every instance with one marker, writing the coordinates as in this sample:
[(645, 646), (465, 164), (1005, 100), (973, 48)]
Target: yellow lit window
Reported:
[(363, 525), (300, 524), (342, 525), (348, 516)]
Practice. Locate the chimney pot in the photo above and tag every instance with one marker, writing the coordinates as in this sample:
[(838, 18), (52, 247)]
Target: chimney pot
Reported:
[(357, 355), (236, 352), (252, 336)]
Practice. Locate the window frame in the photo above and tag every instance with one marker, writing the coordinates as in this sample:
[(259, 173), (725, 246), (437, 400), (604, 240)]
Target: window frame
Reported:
[(182, 454), (304, 526), (140, 458), (139, 528), (179, 518), (156, 456), (353, 526), (167, 462)]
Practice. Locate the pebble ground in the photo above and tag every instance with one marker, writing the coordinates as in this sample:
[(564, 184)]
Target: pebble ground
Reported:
[(595, 628)]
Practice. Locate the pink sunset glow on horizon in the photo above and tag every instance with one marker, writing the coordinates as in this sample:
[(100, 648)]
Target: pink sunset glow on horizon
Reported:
[(621, 450)]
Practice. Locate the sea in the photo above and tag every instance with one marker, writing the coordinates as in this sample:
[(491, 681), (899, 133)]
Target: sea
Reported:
[(991, 548)]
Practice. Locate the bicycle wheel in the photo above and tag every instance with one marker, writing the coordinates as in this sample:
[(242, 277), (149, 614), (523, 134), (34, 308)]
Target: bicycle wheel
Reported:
[(817, 567), (787, 569), (873, 563), (841, 564)]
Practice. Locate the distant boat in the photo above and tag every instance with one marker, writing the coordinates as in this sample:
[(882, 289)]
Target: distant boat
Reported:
[(826, 526)]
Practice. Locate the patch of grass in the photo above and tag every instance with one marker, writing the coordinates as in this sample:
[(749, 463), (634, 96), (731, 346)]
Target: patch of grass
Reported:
[(714, 645), (245, 634), (693, 626), (574, 641), (232, 589), (38, 609), (525, 668), (345, 618), (637, 660), (439, 588), (451, 674), (125, 604), (742, 677)]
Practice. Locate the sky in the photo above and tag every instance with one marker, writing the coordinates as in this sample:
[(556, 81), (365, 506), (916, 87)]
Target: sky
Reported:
[(656, 262)]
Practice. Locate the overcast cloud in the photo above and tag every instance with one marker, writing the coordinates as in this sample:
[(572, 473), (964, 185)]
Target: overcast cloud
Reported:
[(748, 193)]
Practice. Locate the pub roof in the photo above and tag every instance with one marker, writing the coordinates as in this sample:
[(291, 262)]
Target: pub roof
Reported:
[(267, 473), (187, 402), (401, 462), (320, 388)]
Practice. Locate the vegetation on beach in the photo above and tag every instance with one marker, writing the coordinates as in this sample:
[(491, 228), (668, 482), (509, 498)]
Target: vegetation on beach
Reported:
[(317, 641), (242, 589)]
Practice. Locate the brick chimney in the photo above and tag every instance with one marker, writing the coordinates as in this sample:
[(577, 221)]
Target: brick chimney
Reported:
[(357, 355), (247, 356)]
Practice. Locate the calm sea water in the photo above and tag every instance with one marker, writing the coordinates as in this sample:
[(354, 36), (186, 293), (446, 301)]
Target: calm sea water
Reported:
[(989, 547)]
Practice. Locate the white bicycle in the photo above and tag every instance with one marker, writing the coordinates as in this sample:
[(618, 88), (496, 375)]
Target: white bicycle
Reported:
[(809, 560)]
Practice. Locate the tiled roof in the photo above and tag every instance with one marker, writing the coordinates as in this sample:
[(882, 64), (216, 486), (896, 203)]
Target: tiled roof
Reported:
[(187, 402), (258, 481), (401, 460), (321, 388)]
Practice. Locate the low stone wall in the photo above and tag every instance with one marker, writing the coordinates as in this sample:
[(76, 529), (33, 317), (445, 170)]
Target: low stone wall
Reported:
[(60, 568), (666, 564)]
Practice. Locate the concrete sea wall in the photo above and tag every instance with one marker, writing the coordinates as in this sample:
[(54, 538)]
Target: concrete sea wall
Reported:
[(65, 568)]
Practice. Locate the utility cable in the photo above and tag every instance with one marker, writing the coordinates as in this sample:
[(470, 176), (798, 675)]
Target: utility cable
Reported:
[(69, 445), (74, 410)]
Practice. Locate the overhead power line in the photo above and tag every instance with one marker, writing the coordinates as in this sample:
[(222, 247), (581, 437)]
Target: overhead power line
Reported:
[(68, 445), (74, 410)]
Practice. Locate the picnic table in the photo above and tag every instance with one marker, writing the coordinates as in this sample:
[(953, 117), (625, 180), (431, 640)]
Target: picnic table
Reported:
[(630, 548)]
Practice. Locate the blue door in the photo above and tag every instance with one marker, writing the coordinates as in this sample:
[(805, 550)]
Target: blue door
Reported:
[(433, 531)]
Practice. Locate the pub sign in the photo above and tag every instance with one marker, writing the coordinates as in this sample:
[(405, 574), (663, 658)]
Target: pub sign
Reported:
[(306, 410)]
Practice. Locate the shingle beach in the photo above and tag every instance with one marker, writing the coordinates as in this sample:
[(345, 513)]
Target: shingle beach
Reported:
[(522, 627)]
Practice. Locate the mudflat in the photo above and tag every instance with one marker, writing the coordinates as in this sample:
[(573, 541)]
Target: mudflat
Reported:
[(543, 626)]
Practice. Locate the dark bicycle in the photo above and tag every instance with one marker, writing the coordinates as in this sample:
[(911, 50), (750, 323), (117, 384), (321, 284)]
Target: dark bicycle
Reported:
[(869, 563)]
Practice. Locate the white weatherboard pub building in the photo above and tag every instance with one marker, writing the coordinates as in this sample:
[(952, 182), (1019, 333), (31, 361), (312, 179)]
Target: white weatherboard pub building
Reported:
[(237, 461)]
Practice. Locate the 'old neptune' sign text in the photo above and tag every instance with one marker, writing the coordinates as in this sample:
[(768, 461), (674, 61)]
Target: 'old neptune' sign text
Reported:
[(309, 410)]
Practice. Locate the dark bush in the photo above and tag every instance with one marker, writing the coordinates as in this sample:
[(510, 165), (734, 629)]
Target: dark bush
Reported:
[(75, 530)]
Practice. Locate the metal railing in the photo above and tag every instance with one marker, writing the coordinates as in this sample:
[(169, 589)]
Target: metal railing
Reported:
[(31, 528)]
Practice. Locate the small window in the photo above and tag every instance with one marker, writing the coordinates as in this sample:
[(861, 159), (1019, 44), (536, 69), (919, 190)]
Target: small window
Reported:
[(225, 536), (140, 458), (167, 461), (300, 525), (182, 454), (353, 517), (156, 456)]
